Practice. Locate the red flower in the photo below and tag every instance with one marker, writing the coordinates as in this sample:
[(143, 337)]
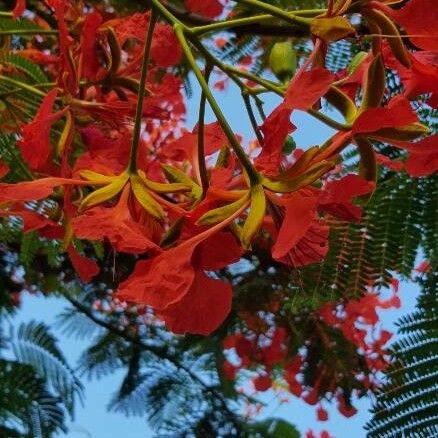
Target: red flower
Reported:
[(4, 169), (420, 78), (423, 155), (275, 130), (20, 7), (165, 50), (85, 267), (262, 383), (35, 143), (299, 215), (229, 370), (397, 113), (206, 8), (387, 162), (115, 224), (202, 309), (174, 284), (419, 19), (337, 196), (185, 147), (32, 221), (67, 76), (347, 410), (423, 267), (33, 190), (304, 90), (321, 414), (90, 58)]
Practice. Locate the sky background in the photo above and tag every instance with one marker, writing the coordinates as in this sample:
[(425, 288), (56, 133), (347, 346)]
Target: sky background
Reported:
[(92, 419)]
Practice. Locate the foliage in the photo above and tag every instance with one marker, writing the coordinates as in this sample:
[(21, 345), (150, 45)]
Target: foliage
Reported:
[(407, 404), (192, 261)]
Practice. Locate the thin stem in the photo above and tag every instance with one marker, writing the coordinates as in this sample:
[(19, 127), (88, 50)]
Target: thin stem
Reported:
[(238, 22), (268, 85), (166, 13), (328, 121), (29, 32), (233, 71), (141, 94), (252, 118), (201, 137), (241, 155), (276, 12), (259, 105), (22, 86)]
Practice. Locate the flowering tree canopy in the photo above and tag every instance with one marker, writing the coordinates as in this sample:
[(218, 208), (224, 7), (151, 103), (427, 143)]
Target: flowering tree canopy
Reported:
[(266, 259)]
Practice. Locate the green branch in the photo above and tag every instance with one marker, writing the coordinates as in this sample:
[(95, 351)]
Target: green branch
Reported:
[(239, 22), (141, 94), (201, 137), (241, 154), (289, 17)]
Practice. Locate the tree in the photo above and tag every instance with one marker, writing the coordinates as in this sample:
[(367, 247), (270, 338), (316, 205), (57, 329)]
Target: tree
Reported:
[(137, 220)]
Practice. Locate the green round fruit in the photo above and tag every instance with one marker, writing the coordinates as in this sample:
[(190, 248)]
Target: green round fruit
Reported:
[(283, 60)]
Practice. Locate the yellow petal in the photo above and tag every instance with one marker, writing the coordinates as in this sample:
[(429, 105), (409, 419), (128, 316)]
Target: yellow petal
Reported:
[(105, 193), (145, 199), (255, 217), (409, 132), (96, 178), (163, 187), (220, 214), (299, 165), (176, 175), (312, 174), (374, 87), (331, 29), (67, 133)]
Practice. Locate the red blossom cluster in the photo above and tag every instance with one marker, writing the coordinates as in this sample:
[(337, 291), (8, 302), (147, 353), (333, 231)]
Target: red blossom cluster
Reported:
[(187, 203)]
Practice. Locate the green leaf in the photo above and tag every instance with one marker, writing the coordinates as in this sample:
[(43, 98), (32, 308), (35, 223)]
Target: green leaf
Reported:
[(276, 428), (25, 65)]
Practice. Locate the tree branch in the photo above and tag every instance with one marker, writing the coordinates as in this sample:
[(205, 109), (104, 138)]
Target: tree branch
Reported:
[(161, 352)]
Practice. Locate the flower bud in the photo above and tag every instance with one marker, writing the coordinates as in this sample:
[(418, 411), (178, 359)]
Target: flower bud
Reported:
[(283, 60)]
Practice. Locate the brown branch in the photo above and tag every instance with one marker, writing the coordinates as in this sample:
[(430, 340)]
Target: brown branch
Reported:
[(161, 352)]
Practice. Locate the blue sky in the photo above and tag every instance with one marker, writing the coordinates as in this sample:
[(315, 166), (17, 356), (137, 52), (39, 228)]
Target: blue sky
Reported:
[(92, 420)]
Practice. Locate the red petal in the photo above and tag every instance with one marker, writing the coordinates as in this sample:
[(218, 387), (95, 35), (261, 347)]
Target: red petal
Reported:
[(423, 267), (35, 143), (311, 248), (419, 17), (423, 155), (85, 267), (160, 281), (166, 50), (90, 60), (202, 310), (397, 113), (4, 169), (214, 137), (217, 252), (115, 224), (300, 213), (337, 196), (33, 190), (321, 414), (206, 8), (387, 162), (262, 383), (307, 88), (421, 78), (275, 130), (20, 7)]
